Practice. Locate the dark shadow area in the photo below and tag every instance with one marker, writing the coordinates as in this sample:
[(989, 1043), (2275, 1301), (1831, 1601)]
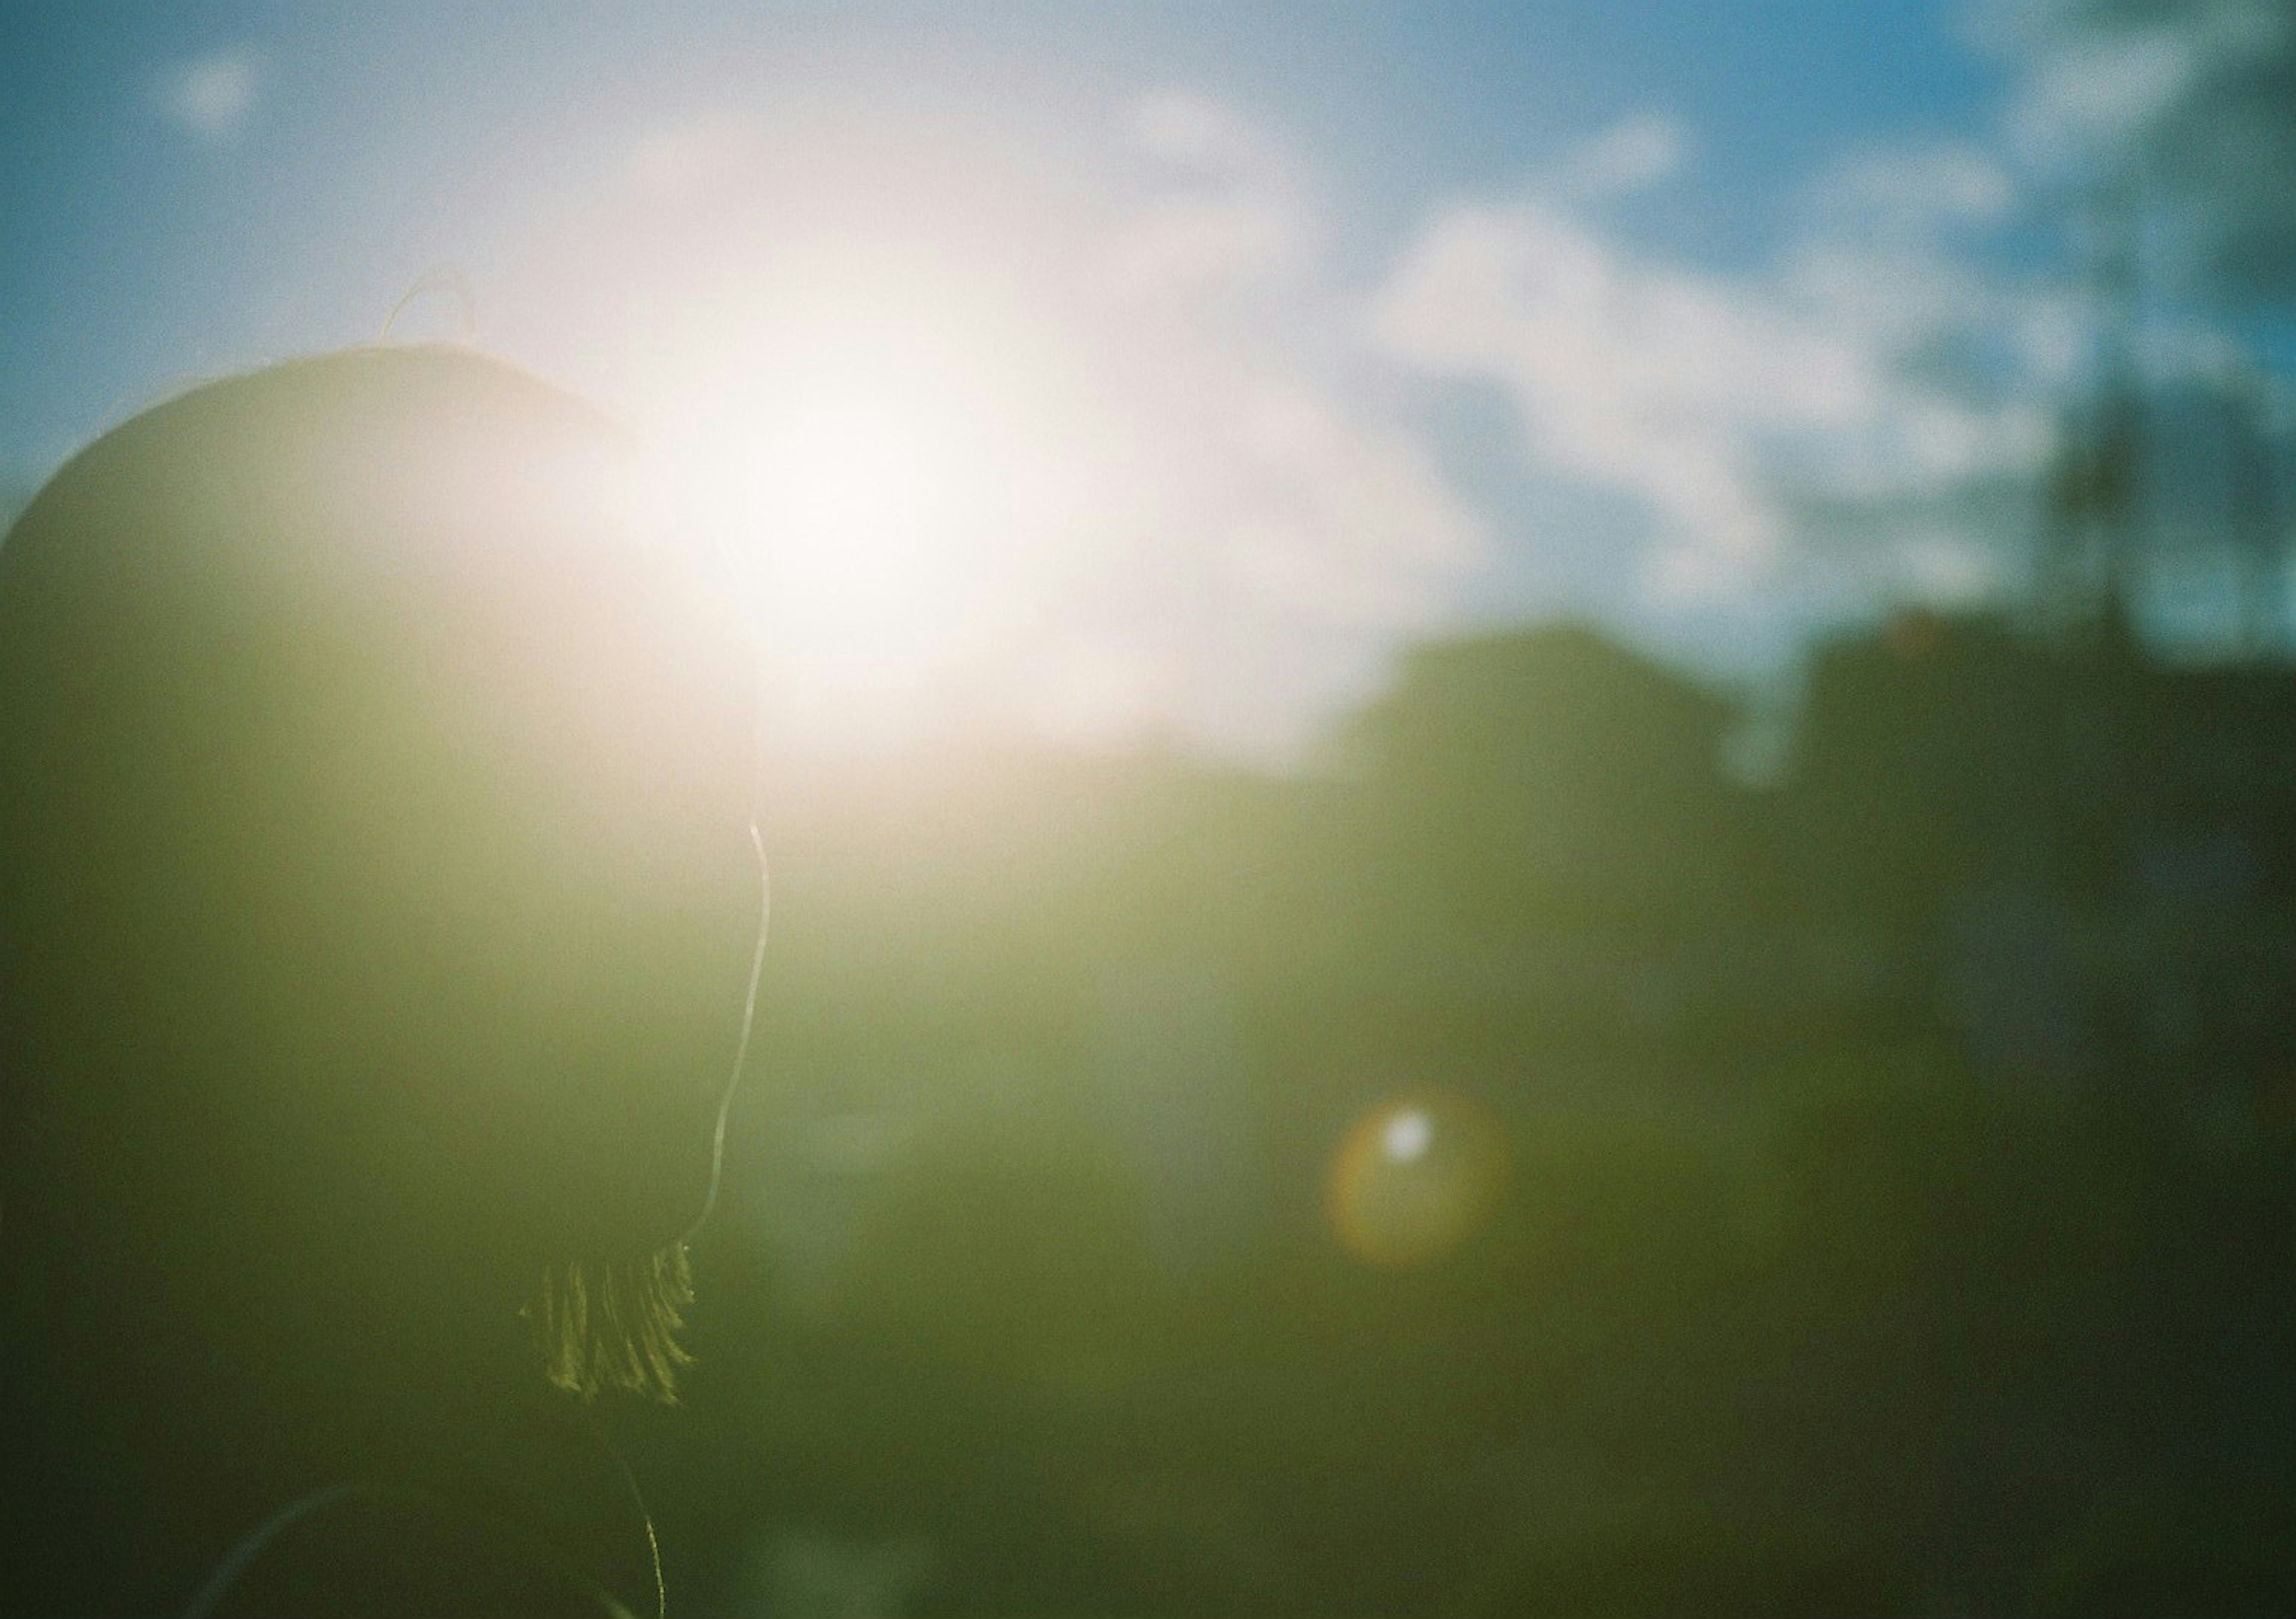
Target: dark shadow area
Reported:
[(1894, 1161)]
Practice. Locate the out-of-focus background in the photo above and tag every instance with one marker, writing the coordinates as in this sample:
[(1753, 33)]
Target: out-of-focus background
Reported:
[(1533, 766)]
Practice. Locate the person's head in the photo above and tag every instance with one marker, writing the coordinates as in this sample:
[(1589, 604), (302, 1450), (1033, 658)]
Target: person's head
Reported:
[(378, 889)]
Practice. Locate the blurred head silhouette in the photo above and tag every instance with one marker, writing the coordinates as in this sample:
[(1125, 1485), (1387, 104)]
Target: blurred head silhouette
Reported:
[(378, 889)]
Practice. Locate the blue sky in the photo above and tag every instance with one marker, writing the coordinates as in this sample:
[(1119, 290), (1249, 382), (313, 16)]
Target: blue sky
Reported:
[(1297, 331)]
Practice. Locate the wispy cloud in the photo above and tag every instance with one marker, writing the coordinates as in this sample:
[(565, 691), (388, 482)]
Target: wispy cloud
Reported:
[(1225, 210), (1282, 530), (1193, 132), (1747, 412), (211, 95), (1915, 190), (1631, 154), (2192, 102), (1712, 399)]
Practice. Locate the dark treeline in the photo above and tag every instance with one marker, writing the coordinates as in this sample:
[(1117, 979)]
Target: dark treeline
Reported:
[(1866, 1190)]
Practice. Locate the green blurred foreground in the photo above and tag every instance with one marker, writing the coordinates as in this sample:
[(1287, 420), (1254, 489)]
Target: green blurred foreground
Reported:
[(1868, 1192)]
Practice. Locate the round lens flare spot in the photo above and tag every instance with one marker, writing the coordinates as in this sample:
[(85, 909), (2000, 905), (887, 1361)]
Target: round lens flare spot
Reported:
[(1415, 1178)]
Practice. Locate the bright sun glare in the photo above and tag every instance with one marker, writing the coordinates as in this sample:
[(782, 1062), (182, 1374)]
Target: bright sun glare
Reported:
[(887, 476)]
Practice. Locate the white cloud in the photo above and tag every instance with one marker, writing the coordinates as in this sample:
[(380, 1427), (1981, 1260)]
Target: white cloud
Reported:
[(1227, 212), (211, 95), (1631, 154), (2100, 78), (1624, 374), (1207, 243), (1914, 190), (2194, 100), (1883, 256), (1191, 131), (1727, 406), (1279, 533), (2100, 90), (1264, 546)]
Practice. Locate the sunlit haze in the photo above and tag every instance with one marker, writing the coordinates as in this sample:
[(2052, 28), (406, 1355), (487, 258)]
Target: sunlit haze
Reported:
[(1526, 773), (1105, 379), (888, 483)]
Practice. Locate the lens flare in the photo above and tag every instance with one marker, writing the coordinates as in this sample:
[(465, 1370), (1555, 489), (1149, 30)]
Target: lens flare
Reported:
[(1415, 1178)]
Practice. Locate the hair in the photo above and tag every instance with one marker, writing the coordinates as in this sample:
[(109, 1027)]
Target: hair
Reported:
[(614, 1323)]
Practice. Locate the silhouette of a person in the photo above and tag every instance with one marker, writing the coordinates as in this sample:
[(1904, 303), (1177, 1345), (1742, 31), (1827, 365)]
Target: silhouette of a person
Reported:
[(378, 914)]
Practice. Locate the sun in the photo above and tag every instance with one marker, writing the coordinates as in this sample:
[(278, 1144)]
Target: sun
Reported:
[(888, 479), (875, 489)]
